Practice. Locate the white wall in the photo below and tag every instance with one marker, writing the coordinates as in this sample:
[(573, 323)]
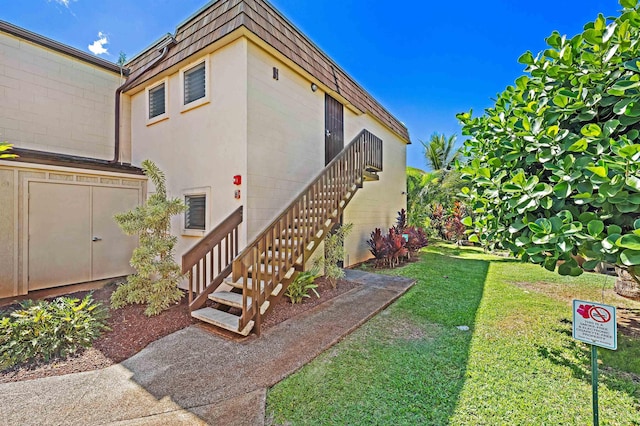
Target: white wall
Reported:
[(53, 102), (376, 204), (286, 150), (285, 136), (201, 147)]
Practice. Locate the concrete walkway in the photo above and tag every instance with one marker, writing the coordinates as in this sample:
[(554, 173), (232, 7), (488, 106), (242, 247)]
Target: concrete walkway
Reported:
[(194, 377)]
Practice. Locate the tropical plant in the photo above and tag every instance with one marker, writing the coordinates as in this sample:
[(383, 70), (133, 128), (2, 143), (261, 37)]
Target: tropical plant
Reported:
[(421, 186), (6, 147), (334, 253), (42, 330), (378, 246), (302, 284), (416, 239), (555, 163), (454, 229), (157, 274), (396, 247), (440, 153), (438, 221), (401, 221)]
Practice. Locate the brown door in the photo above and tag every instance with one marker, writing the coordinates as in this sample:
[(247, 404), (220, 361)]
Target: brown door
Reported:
[(334, 128)]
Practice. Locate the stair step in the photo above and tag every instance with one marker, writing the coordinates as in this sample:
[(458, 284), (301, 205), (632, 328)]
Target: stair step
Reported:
[(239, 285), (229, 298), (222, 319)]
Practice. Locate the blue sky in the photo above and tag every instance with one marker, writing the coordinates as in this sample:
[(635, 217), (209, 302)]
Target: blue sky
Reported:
[(424, 60)]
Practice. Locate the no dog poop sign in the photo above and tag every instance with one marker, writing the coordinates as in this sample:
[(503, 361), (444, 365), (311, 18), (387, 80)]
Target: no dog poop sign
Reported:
[(595, 323)]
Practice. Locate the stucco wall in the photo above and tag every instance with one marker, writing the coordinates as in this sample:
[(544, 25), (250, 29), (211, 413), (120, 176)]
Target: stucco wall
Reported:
[(286, 150), (202, 147), (376, 204), (53, 102), (285, 136)]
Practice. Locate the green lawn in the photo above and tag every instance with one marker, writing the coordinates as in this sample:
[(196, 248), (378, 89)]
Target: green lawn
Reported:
[(518, 364)]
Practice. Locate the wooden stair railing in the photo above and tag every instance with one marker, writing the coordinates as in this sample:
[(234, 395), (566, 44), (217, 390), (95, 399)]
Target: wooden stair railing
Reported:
[(272, 257), (262, 272), (209, 262)]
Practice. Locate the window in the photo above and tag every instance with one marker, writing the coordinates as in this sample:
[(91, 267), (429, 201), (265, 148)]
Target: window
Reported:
[(157, 102), (195, 85), (194, 216)]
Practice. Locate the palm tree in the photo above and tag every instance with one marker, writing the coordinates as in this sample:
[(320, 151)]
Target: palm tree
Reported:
[(440, 152)]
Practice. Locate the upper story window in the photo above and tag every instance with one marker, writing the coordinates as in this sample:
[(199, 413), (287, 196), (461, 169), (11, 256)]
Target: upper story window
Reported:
[(195, 84), (157, 102)]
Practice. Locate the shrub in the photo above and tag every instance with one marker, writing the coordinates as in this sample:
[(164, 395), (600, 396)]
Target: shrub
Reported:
[(401, 221), (555, 163), (416, 239), (334, 253), (156, 280), (454, 228), (378, 246), (397, 249), (302, 284), (42, 330), (398, 243)]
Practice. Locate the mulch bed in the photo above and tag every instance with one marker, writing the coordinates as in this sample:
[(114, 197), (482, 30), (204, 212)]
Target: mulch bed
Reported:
[(131, 331)]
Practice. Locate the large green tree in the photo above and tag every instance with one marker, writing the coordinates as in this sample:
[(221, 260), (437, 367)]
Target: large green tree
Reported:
[(555, 163)]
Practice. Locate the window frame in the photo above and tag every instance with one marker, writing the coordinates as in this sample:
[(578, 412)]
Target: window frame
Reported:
[(207, 84), (148, 89), (206, 191)]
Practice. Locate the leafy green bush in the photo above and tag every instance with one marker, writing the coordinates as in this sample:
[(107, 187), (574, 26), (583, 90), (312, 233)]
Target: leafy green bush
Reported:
[(555, 167), (334, 253), (42, 330), (302, 284)]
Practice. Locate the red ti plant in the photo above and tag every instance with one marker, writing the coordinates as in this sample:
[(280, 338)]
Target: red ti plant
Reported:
[(401, 221), (437, 220), (416, 239), (378, 246), (454, 228), (396, 245)]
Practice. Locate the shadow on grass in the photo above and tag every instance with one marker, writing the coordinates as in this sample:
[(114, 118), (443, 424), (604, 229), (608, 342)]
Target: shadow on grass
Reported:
[(448, 292), (576, 356)]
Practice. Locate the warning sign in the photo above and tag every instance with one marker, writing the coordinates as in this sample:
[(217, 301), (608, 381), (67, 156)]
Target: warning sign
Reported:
[(595, 324)]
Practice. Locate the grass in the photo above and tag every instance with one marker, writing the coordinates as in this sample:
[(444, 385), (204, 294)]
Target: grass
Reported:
[(518, 364)]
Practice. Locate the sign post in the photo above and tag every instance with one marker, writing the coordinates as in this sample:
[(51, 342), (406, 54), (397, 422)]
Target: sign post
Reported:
[(595, 323)]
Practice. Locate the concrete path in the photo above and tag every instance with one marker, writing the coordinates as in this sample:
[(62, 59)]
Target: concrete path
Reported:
[(194, 377)]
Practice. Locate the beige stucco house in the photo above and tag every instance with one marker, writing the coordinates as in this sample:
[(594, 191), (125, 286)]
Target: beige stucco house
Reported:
[(237, 107)]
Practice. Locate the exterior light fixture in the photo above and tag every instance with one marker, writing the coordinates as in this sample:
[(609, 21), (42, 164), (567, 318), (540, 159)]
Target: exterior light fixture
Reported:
[(314, 87)]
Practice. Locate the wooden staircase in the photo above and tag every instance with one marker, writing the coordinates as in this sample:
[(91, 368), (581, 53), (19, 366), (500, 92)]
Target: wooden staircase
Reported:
[(258, 276)]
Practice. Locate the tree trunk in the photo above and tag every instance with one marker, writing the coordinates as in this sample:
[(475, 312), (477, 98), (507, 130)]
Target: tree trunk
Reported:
[(627, 285)]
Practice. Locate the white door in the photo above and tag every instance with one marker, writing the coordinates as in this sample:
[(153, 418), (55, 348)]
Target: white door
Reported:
[(73, 237), (112, 248), (59, 229)]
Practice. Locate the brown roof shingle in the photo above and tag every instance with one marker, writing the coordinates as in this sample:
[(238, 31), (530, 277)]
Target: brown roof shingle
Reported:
[(222, 17)]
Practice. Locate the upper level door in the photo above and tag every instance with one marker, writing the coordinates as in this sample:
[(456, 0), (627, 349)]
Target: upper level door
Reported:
[(334, 128)]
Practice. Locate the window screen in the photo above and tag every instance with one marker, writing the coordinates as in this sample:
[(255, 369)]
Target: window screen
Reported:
[(156, 101), (194, 84), (194, 216)]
